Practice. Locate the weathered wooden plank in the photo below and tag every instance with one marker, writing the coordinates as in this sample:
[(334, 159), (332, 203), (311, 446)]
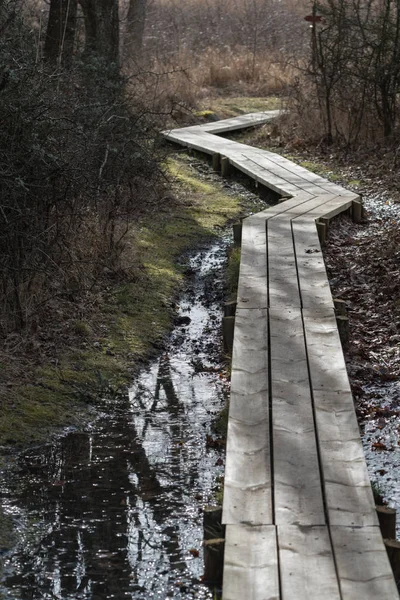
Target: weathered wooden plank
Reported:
[(247, 489), (313, 281), (285, 206), (306, 564), (253, 284), (297, 483), (315, 203), (347, 487), (267, 178), (323, 345), (208, 143), (251, 563), (333, 208), (362, 564), (241, 122), (287, 171), (304, 173), (283, 287), (348, 493)]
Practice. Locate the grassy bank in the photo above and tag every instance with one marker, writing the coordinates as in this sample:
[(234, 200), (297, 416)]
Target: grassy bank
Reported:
[(98, 354)]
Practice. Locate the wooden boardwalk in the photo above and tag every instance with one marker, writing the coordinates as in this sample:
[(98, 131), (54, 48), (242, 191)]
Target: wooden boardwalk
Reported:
[(300, 517)]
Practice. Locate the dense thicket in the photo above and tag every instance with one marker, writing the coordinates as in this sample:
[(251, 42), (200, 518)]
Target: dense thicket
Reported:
[(355, 68), (76, 168), (195, 25)]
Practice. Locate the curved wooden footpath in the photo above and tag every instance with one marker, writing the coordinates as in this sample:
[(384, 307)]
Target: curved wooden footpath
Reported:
[(300, 517)]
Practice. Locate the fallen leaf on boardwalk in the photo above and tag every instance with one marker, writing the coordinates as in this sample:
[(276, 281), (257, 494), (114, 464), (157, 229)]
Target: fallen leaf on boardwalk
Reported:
[(194, 552)]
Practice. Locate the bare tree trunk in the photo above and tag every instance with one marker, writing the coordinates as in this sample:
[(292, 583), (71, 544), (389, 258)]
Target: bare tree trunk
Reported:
[(60, 34), (135, 24), (101, 28)]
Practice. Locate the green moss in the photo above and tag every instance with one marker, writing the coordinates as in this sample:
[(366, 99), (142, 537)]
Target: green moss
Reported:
[(232, 273), (145, 316), (204, 113), (319, 169), (82, 329), (220, 425), (139, 315)]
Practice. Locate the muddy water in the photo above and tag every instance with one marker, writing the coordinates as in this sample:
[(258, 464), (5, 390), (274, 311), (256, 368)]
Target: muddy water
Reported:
[(116, 511)]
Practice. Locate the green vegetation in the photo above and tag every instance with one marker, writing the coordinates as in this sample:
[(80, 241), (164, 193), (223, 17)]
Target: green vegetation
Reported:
[(378, 493), (135, 316), (205, 114), (219, 491), (232, 107), (318, 168), (220, 425), (232, 273)]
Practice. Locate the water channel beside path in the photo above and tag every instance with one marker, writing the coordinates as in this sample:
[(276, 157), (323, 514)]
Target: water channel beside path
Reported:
[(116, 511)]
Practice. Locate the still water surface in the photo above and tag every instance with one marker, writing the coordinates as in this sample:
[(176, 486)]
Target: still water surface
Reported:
[(115, 511)]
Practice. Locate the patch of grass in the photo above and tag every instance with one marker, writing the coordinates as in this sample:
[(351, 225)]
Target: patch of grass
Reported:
[(220, 424), (205, 114), (137, 315), (320, 169), (219, 491), (82, 329), (232, 107), (30, 412), (232, 273), (145, 316)]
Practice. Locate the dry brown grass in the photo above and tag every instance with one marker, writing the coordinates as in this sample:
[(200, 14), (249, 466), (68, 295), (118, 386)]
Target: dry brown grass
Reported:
[(304, 121), (198, 48), (180, 83), (267, 74)]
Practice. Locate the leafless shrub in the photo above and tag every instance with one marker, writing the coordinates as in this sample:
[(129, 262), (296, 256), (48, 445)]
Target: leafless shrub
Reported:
[(354, 69), (78, 166)]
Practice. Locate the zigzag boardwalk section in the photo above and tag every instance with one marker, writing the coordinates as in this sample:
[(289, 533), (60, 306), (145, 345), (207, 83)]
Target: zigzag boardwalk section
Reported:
[(300, 517)]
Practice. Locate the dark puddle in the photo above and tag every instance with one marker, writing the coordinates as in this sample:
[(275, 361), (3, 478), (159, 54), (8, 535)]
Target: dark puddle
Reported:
[(116, 511)]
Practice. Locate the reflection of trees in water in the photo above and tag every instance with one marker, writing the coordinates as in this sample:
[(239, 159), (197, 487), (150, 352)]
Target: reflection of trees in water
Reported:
[(164, 381), (103, 501)]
